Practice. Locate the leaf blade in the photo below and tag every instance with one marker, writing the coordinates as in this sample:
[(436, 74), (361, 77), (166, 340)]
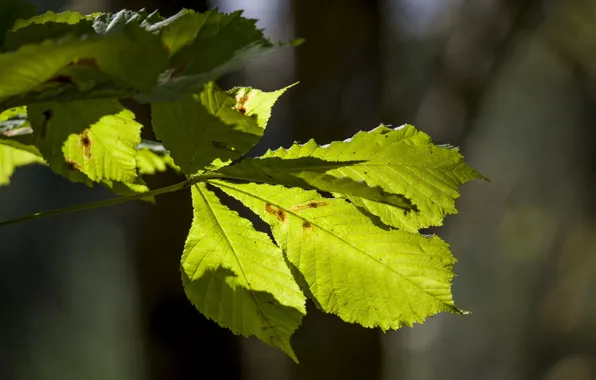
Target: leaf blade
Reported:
[(400, 161), (90, 139), (11, 158), (33, 68), (255, 293), (207, 129)]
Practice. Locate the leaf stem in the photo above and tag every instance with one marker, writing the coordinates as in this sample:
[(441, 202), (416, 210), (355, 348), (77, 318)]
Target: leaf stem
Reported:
[(109, 202)]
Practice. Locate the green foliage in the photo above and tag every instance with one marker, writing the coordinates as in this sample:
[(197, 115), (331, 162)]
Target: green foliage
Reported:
[(344, 217), (236, 276), (211, 128), (399, 161), (348, 265), (11, 158)]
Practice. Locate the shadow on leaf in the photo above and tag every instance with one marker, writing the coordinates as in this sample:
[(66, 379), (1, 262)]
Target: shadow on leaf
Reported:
[(219, 295)]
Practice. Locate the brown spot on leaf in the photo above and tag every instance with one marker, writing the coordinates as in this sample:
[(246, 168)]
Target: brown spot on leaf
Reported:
[(241, 100), (86, 143), (71, 165), (277, 212), (306, 226), (309, 204)]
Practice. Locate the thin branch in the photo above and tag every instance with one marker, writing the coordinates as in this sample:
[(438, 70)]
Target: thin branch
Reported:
[(109, 202)]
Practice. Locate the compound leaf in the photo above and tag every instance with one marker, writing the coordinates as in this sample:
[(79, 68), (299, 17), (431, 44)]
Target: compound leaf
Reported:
[(237, 277), (349, 266), (400, 161), (208, 129)]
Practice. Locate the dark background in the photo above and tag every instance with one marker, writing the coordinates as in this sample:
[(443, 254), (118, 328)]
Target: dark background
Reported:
[(98, 295)]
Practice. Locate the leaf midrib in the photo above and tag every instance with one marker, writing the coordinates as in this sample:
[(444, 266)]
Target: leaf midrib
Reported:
[(249, 287)]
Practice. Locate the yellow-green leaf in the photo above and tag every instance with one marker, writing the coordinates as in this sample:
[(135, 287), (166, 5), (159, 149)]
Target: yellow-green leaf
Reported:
[(350, 266), (237, 277)]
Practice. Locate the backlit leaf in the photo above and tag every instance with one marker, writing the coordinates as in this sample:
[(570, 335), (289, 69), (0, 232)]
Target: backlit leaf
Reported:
[(349, 266), (11, 158), (96, 138), (207, 129), (149, 162), (400, 161), (237, 277)]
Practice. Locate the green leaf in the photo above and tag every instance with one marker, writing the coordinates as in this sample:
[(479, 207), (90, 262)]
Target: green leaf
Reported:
[(311, 173), (116, 54), (208, 129), (52, 25), (257, 103), (237, 277), (47, 26), (19, 136), (96, 138), (219, 39), (203, 47), (11, 158), (400, 161), (149, 162), (183, 29), (111, 22), (11, 11), (349, 266)]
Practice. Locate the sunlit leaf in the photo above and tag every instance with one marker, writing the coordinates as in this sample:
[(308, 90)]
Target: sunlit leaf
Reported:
[(208, 128), (312, 173), (237, 277), (400, 161), (149, 162), (348, 265), (96, 138), (11, 158)]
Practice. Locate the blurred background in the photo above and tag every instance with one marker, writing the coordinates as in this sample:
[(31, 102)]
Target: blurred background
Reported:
[(98, 295)]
